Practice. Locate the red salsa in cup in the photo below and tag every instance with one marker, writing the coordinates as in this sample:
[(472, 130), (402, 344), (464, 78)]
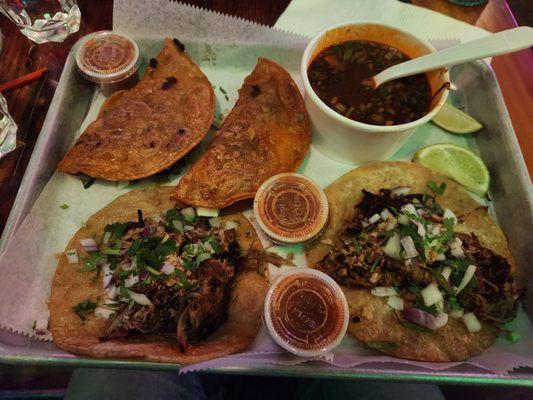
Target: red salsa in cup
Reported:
[(340, 76)]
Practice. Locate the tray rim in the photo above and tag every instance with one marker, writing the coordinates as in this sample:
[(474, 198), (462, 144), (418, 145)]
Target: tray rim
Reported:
[(16, 217)]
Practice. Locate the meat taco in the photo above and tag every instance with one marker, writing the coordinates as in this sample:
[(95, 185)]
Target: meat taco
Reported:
[(146, 129), (147, 279), (427, 272), (266, 133)]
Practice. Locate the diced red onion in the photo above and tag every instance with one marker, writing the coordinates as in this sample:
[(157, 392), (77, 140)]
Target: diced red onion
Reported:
[(168, 268), (409, 247), (400, 191), (89, 244), (419, 317), (147, 232)]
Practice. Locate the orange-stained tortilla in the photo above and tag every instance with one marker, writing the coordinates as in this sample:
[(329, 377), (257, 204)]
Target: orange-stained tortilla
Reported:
[(71, 286), (146, 129), (266, 133)]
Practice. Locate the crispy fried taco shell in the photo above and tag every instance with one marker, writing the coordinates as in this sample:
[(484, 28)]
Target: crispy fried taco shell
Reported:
[(146, 129), (371, 320), (70, 287), (266, 133)]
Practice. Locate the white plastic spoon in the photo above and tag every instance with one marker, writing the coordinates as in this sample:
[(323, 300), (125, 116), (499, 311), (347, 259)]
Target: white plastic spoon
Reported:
[(500, 43)]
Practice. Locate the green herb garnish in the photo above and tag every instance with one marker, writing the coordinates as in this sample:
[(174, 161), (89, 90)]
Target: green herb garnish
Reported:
[(91, 263), (117, 229), (63, 206), (437, 189), (83, 309), (380, 345)]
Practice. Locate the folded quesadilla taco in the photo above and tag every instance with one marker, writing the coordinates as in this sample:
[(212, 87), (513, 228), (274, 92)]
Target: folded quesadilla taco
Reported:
[(147, 279), (266, 133), (146, 129), (427, 272)]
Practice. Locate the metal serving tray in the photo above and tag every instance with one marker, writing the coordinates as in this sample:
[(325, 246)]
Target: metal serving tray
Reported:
[(511, 191)]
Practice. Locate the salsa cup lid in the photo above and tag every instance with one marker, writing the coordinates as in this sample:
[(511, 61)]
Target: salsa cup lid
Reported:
[(290, 208), (306, 312), (106, 56)]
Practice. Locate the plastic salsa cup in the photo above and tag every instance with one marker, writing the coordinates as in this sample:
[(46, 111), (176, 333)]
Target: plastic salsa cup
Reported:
[(306, 312), (108, 59)]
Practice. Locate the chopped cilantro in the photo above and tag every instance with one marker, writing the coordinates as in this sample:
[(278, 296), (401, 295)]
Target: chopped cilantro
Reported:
[(513, 336), (153, 271), (437, 189), (375, 264), (215, 244), (83, 309), (454, 304), (421, 328), (64, 206), (117, 229), (442, 281), (380, 345), (91, 263), (430, 309), (111, 252)]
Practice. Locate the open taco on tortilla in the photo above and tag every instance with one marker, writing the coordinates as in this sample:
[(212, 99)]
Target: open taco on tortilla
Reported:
[(144, 130), (427, 273), (146, 279)]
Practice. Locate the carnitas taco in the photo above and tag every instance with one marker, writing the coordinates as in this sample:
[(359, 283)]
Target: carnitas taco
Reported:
[(427, 272), (144, 130), (147, 279)]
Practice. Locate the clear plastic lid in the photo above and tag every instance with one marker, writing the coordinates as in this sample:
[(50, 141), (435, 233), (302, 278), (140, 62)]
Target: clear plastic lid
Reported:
[(106, 56), (290, 208)]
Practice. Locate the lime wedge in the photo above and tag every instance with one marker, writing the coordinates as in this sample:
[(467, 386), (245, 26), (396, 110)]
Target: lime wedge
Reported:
[(455, 121), (458, 163)]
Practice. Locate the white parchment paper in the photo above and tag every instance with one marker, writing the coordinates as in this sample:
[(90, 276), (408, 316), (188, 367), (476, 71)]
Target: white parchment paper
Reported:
[(226, 49)]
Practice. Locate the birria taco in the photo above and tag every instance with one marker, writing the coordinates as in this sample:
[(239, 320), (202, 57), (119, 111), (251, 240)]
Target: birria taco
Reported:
[(146, 279), (427, 272)]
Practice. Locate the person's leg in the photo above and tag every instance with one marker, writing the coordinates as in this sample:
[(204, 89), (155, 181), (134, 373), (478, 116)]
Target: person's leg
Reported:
[(326, 389), (110, 384)]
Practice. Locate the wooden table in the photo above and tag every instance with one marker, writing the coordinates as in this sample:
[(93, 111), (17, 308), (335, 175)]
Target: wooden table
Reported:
[(29, 105)]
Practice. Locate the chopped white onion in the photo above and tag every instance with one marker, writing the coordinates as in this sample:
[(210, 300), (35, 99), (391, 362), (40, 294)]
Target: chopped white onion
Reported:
[(393, 222), (431, 294), (457, 313), (103, 312), (111, 303), (374, 218), (449, 214), (400, 190), (89, 244), (131, 280), (207, 212), (72, 256), (469, 274), (112, 292), (383, 291), (176, 223), (409, 247), (231, 225), (129, 266), (214, 222), (168, 268), (385, 214), (471, 322), (421, 229), (140, 298), (189, 212), (439, 305), (392, 247), (403, 219), (440, 257), (107, 236), (456, 248), (436, 230), (395, 302), (441, 320), (446, 271), (408, 209)]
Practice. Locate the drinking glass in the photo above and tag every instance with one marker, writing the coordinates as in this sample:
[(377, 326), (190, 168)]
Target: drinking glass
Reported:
[(8, 129), (43, 20)]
